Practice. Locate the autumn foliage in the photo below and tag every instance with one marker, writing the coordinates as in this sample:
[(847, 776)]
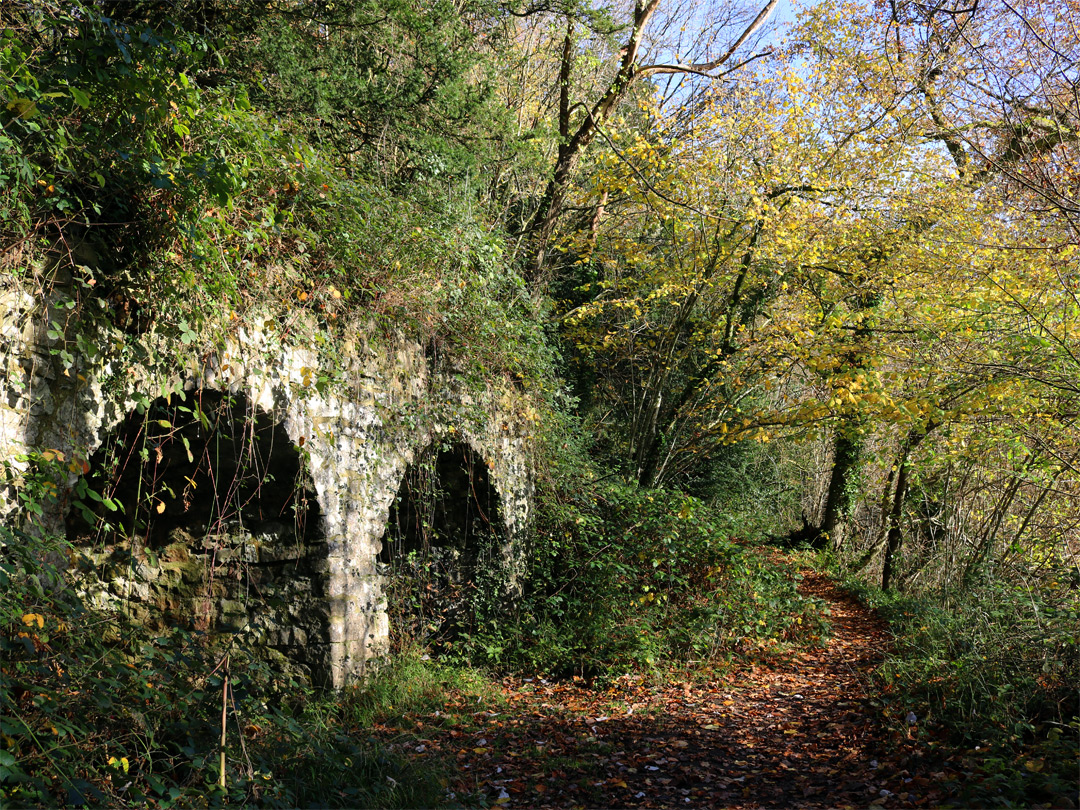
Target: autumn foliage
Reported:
[(810, 286)]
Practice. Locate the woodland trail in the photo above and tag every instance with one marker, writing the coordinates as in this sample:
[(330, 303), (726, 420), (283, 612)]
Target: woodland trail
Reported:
[(798, 733)]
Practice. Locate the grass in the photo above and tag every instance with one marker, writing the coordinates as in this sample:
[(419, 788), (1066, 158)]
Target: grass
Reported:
[(413, 683), (992, 676)]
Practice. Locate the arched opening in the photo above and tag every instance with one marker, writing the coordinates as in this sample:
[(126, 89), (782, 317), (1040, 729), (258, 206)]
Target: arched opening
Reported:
[(197, 511), (442, 548)]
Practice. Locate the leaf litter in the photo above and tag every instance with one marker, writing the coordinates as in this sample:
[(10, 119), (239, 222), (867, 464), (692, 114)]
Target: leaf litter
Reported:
[(802, 731)]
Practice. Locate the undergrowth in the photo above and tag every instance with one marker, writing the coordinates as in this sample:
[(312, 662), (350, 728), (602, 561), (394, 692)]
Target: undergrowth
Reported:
[(412, 683), (136, 720), (198, 212), (992, 676), (619, 579)]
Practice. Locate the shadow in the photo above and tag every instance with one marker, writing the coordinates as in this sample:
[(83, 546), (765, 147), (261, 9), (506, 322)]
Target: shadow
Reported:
[(714, 749), (197, 511), (803, 732), (442, 545)]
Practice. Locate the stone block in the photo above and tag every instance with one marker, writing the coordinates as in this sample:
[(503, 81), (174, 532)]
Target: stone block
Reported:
[(284, 551)]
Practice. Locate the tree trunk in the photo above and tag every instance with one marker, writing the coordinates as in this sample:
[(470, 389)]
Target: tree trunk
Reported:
[(895, 537), (997, 517), (838, 501), (572, 144), (883, 532)]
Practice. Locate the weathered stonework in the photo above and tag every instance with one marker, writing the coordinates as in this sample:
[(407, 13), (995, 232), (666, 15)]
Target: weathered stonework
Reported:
[(359, 423)]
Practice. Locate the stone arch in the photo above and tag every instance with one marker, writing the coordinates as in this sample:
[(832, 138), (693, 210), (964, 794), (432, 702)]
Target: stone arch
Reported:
[(358, 437), (197, 509), (445, 535)]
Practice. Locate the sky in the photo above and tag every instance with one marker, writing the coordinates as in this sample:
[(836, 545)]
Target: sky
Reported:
[(783, 17)]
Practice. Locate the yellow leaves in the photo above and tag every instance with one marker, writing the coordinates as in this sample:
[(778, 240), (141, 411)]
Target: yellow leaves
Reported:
[(121, 764), (30, 619)]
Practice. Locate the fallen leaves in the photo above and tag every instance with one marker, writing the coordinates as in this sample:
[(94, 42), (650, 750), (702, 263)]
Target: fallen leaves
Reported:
[(801, 733)]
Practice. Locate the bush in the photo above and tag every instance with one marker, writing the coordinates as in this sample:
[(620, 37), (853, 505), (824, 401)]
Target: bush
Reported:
[(621, 578), (995, 670), (96, 710)]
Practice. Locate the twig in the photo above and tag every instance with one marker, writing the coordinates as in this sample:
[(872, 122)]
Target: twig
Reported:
[(239, 726), (224, 718)]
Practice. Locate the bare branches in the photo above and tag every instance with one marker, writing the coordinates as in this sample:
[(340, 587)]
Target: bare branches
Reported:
[(629, 71)]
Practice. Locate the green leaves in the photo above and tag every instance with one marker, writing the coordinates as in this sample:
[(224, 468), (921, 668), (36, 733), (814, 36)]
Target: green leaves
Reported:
[(991, 667), (187, 336), (81, 723), (400, 89), (81, 97), (22, 107)]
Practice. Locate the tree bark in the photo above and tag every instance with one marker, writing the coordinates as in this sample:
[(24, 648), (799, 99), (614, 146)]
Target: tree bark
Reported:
[(846, 456), (895, 537)]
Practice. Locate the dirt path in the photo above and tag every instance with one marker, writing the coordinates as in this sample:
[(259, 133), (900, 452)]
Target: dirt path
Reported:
[(797, 734)]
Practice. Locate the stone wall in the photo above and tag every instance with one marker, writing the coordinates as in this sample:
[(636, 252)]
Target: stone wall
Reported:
[(203, 515), (356, 422)]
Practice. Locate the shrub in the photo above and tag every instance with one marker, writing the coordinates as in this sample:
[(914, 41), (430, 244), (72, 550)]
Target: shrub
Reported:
[(995, 670), (621, 577), (97, 710)]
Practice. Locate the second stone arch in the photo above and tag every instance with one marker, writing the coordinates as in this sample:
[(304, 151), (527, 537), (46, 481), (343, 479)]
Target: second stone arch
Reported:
[(446, 555)]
